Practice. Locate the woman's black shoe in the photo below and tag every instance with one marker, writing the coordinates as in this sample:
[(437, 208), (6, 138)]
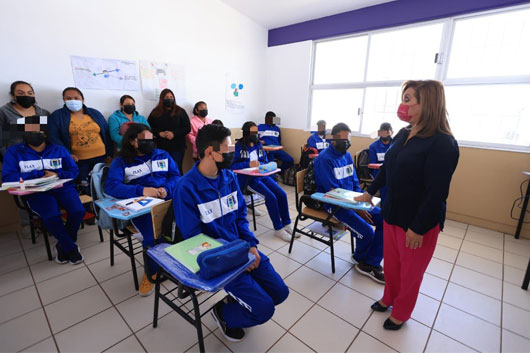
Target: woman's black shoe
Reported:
[(389, 325), (378, 307)]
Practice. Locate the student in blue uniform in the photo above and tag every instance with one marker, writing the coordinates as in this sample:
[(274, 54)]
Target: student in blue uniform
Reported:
[(270, 134), (37, 158), (316, 140), (211, 202), (250, 153), (142, 170), (335, 170), (378, 148)]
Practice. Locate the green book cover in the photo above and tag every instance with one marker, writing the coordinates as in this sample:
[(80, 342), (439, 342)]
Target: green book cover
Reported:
[(186, 251)]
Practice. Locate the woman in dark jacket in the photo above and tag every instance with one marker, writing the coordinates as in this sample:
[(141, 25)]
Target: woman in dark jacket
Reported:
[(417, 172), (170, 124)]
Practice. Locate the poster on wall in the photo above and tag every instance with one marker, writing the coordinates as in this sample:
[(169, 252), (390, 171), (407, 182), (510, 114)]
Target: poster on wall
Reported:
[(235, 93), (156, 76), (110, 74)]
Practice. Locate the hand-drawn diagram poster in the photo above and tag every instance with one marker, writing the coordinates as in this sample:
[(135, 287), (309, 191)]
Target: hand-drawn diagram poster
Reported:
[(234, 95), (159, 75), (111, 74)]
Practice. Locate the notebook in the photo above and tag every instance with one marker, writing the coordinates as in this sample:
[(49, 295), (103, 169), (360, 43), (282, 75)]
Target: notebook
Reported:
[(187, 251), (348, 195), (139, 203)]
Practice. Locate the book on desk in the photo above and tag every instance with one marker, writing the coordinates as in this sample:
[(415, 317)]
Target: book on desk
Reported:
[(348, 196), (187, 251), (139, 203)]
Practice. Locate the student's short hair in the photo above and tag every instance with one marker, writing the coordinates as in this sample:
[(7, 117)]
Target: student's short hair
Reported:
[(321, 122), (15, 84), (210, 135), (385, 127), (218, 122), (123, 98), (270, 115), (73, 89), (340, 127)]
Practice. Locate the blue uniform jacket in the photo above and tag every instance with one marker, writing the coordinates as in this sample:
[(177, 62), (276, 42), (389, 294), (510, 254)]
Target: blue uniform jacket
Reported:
[(21, 161), (242, 159), (317, 142), (59, 123), (117, 119), (377, 151), (270, 134), (219, 212), (335, 170), (154, 170)]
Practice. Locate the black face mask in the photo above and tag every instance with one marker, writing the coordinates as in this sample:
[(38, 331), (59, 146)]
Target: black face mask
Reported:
[(254, 139), (386, 139), (342, 146), (146, 146), (203, 113), (228, 158), (168, 102), (129, 108), (34, 139), (322, 133), (25, 101)]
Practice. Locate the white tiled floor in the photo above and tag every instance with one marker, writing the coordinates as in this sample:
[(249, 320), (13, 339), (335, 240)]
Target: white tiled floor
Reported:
[(470, 300)]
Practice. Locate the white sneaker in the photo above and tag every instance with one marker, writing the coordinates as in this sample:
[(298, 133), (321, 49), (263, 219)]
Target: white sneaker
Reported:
[(257, 212), (282, 234), (289, 229)]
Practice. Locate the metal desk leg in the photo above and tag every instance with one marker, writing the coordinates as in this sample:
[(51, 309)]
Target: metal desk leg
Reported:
[(523, 212), (198, 323), (526, 280)]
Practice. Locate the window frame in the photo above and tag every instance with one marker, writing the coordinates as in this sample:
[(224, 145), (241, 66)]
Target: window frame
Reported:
[(442, 65)]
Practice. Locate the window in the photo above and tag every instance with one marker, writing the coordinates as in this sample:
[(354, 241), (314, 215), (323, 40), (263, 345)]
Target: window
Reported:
[(482, 59)]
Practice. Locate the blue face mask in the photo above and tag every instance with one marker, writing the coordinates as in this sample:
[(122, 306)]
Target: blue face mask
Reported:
[(74, 105)]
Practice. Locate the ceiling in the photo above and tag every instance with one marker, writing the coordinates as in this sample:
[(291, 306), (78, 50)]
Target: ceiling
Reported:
[(279, 13)]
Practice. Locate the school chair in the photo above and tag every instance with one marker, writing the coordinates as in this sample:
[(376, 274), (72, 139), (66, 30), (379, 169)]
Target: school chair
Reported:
[(305, 213), (253, 202), (360, 161)]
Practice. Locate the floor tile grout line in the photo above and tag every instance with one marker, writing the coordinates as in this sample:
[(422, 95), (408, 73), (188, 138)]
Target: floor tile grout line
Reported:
[(285, 334), (40, 300), (502, 292), (452, 338), (126, 338)]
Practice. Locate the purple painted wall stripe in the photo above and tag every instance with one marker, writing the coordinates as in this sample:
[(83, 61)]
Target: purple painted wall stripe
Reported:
[(396, 13)]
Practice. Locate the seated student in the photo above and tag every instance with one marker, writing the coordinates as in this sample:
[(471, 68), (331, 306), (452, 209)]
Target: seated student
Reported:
[(197, 121), (335, 169), (126, 114), (211, 202), (270, 134), (317, 140), (250, 153), (378, 148), (83, 131), (37, 158), (142, 170), (22, 104)]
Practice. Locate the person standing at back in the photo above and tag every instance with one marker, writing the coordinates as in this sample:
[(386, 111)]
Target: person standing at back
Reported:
[(170, 124), (270, 134), (198, 120)]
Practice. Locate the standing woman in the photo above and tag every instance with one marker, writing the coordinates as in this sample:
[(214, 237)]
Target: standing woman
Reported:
[(83, 131), (170, 125), (417, 173), (126, 114), (22, 105), (198, 120)]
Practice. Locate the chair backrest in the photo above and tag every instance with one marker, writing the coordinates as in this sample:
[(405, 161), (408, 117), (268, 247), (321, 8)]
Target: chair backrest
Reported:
[(361, 166), (158, 212), (299, 186), (97, 180)]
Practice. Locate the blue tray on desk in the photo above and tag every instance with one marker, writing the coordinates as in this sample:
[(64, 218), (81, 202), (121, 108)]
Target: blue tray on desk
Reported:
[(364, 206), (108, 205)]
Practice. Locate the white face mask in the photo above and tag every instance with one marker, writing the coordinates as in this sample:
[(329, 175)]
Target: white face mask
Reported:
[(74, 105)]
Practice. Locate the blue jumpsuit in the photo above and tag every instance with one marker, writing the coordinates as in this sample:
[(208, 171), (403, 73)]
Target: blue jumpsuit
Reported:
[(275, 197), (216, 207), (316, 141), (271, 135), (21, 161), (336, 170), (126, 180)]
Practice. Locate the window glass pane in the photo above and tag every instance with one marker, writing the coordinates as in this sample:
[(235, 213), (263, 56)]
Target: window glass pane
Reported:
[(381, 105), (495, 45), (336, 106), (490, 113), (340, 61), (405, 54)]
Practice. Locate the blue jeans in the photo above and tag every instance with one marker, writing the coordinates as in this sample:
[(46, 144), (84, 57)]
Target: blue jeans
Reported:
[(178, 157), (85, 167)]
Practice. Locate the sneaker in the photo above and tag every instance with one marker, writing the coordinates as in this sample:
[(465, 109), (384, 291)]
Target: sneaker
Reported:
[(61, 257), (257, 212), (371, 271), (231, 334), (75, 257), (289, 229), (146, 287), (283, 235)]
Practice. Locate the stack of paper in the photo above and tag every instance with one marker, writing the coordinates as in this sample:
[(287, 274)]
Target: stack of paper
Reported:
[(139, 203), (35, 185), (348, 196)]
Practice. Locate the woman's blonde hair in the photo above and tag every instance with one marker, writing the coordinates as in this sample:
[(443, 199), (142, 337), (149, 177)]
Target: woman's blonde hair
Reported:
[(433, 115)]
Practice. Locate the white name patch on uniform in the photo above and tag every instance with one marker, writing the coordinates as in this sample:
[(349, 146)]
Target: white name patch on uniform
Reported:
[(160, 165), (138, 171), (28, 166), (322, 145), (253, 156), (270, 133), (343, 172), (54, 163), (214, 209), (380, 157)]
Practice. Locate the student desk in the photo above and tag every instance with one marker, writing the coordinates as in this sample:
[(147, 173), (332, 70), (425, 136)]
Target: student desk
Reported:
[(375, 165), (272, 148), (187, 284), (364, 206)]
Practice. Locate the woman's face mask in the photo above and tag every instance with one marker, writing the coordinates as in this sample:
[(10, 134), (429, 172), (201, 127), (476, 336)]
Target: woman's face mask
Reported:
[(74, 105)]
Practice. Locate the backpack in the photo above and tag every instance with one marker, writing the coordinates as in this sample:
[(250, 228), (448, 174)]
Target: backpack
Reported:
[(363, 159), (310, 187), (289, 175), (304, 158)]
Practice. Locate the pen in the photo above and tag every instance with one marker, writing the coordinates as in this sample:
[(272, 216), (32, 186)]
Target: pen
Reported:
[(133, 201)]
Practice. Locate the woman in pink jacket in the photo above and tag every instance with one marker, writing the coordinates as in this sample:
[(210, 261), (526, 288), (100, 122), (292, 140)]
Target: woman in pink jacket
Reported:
[(197, 121)]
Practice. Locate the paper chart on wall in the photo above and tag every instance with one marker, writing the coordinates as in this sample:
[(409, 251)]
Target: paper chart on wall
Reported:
[(235, 94), (159, 75), (110, 74)]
